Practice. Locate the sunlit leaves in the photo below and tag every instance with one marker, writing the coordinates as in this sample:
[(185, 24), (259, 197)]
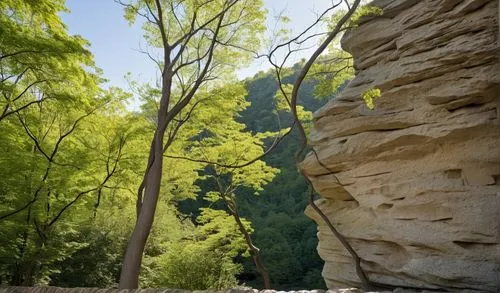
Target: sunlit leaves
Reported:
[(39, 60), (331, 72), (365, 11), (73, 166), (282, 101), (188, 33), (193, 266), (213, 141), (224, 141), (191, 257), (219, 231), (335, 69), (369, 97)]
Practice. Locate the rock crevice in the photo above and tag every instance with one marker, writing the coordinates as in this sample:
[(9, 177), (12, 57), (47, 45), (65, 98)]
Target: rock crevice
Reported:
[(414, 185)]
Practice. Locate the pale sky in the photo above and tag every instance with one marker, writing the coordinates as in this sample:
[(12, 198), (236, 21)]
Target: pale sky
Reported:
[(115, 44)]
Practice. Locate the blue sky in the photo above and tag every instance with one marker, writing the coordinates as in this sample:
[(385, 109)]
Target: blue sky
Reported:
[(115, 44)]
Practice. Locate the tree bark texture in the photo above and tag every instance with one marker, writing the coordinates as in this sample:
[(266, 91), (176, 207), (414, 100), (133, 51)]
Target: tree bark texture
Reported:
[(129, 277)]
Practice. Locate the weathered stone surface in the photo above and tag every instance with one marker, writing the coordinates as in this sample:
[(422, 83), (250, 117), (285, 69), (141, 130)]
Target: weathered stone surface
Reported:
[(415, 184), (49, 289)]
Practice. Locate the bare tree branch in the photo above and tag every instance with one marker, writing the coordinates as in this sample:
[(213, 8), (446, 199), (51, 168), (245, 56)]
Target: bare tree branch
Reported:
[(109, 174), (302, 74)]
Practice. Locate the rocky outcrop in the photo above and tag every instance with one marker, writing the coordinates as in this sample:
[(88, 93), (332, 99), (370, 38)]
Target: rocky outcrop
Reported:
[(414, 185)]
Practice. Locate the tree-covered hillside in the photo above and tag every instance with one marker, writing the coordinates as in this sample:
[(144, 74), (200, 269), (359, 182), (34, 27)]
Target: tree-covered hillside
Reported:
[(286, 237)]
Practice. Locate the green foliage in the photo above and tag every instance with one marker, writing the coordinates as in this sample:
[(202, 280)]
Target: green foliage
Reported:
[(286, 237), (219, 232), (369, 97), (68, 166), (195, 267), (39, 60), (212, 135), (63, 144), (365, 11), (331, 72), (193, 257), (242, 26), (96, 264), (335, 68)]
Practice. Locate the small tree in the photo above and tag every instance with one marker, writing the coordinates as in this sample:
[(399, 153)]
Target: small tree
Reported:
[(230, 148), (225, 147), (200, 42)]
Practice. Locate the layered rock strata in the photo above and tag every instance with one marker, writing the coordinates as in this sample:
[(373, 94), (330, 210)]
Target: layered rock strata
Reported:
[(414, 185)]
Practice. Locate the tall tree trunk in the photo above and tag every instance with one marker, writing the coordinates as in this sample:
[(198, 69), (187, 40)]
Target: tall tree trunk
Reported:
[(129, 277), (146, 206), (28, 268)]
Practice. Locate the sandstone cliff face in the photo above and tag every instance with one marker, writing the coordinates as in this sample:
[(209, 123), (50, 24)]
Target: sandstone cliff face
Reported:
[(415, 186)]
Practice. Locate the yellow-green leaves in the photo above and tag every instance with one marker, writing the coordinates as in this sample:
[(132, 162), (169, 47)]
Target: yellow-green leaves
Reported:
[(39, 60), (331, 72), (335, 68), (362, 11), (202, 259), (190, 25), (282, 97), (369, 97), (365, 11), (38, 12)]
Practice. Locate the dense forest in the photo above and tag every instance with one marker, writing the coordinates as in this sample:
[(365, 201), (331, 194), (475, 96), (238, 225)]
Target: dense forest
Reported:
[(84, 174)]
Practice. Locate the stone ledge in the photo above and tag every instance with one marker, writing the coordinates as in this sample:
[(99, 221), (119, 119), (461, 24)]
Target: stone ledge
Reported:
[(49, 289)]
